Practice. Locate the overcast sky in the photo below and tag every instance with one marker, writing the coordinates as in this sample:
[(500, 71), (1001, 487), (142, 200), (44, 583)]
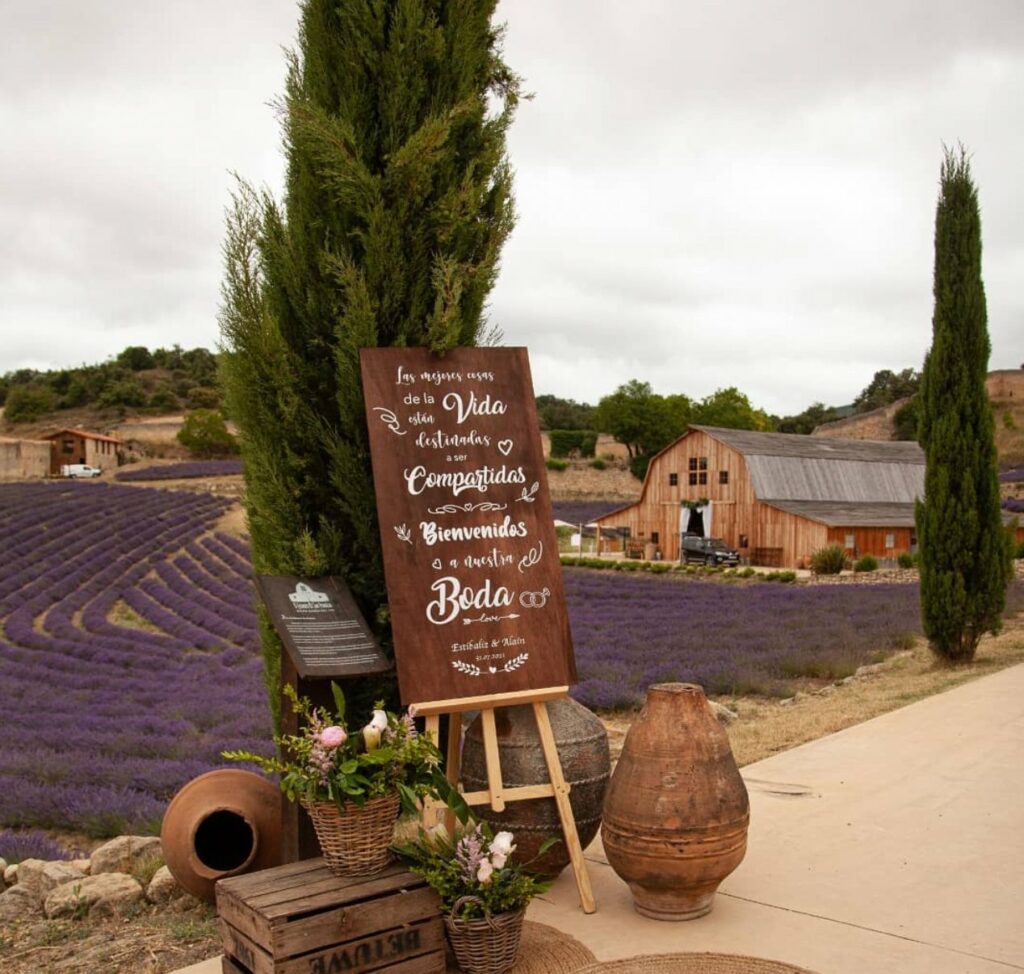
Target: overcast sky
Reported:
[(709, 194)]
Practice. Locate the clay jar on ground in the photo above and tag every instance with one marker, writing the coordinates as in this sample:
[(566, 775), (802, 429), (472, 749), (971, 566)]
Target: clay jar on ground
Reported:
[(676, 813)]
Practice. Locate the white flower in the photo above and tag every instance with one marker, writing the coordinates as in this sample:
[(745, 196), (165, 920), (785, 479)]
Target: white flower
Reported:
[(483, 874), (502, 844), (372, 731), (498, 859)]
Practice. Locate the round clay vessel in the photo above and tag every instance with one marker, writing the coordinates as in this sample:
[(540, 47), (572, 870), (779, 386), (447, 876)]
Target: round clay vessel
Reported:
[(676, 813), (222, 823), (582, 744)]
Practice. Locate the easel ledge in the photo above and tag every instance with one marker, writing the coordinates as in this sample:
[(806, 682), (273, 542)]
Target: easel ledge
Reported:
[(496, 794)]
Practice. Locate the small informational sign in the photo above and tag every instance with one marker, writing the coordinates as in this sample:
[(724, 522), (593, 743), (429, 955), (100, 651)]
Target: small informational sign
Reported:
[(320, 626), (470, 552)]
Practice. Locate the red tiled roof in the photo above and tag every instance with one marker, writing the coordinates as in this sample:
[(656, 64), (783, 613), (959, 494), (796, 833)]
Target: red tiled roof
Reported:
[(83, 433)]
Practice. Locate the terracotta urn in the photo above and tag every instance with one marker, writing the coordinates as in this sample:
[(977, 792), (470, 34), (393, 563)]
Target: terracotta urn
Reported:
[(223, 823), (676, 813), (582, 744)]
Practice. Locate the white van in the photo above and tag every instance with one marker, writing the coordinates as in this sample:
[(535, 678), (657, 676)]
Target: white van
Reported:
[(79, 470)]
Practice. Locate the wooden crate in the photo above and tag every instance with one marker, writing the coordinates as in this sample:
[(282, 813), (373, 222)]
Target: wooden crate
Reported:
[(302, 919)]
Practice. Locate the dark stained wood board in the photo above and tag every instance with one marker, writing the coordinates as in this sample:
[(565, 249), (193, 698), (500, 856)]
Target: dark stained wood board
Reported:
[(470, 552), (320, 626)]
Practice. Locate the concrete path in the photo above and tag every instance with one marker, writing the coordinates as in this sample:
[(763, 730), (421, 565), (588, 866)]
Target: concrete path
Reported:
[(893, 846)]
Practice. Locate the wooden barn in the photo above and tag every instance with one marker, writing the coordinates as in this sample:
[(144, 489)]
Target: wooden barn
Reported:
[(81, 446), (777, 497)]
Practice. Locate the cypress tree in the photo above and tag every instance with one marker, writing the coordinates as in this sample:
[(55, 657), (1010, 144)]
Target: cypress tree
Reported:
[(964, 565), (397, 201)]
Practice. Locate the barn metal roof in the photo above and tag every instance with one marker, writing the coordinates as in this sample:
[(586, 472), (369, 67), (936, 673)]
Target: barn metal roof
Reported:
[(852, 515), (751, 443), (787, 466)]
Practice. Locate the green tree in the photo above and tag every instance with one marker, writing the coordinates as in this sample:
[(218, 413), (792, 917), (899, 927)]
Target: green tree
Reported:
[(643, 421), (563, 414), (398, 199), (205, 434), (964, 563), (886, 387), (136, 358), (731, 409), (26, 403)]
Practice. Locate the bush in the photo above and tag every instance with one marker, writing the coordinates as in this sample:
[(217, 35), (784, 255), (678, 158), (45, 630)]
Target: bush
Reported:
[(1020, 550), (205, 434), (552, 464), (203, 397), (869, 563), (598, 464), (906, 560), (27, 403), (828, 561), (564, 442)]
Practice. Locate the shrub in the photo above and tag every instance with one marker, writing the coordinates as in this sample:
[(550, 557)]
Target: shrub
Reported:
[(1020, 550), (203, 397), (906, 560), (205, 434), (598, 464), (828, 561), (552, 464), (869, 563), (565, 442), (27, 403)]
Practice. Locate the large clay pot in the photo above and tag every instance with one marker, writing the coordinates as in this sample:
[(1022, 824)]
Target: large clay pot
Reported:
[(222, 823), (582, 744), (676, 813)]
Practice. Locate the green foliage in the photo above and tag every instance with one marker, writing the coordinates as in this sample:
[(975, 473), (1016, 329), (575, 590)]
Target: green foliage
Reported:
[(906, 560), (163, 400), (886, 387), (473, 863), (905, 420), (642, 420), (136, 358), (729, 408), (829, 561), (566, 442), (866, 563), (1009, 422), (555, 413), (123, 392), (205, 434), (1019, 553), (805, 422), (398, 200), (599, 464), (26, 403), (552, 463), (329, 760), (203, 397), (964, 567)]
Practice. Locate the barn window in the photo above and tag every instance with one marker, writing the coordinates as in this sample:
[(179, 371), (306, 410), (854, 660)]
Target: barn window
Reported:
[(693, 480), (673, 480), (702, 478), (890, 540), (703, 463), (723, 476), (744, 541), (693, 463), (68, 446), (850, 541), (654, 537)]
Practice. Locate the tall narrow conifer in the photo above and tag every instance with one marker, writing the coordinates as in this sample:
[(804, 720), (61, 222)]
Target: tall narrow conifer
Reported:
[(397, 202), (962, 542)]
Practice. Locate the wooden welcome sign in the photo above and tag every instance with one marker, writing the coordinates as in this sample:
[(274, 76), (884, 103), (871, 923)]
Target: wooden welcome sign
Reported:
[(470, 553)]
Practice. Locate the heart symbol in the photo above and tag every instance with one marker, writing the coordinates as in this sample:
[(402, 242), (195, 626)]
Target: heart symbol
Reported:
[(505, 447), (493, 669), (436, 564)]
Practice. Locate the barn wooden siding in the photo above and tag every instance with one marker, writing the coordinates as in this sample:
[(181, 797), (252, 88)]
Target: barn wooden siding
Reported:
[(850, 476)]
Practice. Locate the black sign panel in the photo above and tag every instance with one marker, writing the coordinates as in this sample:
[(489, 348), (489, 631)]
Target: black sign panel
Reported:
[(321, 627)]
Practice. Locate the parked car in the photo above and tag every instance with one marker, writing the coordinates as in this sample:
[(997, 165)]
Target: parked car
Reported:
[(710, 551), (79, 470)]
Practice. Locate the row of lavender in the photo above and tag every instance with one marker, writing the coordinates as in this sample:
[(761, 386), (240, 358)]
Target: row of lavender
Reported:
[(183, 471), (104, 719)]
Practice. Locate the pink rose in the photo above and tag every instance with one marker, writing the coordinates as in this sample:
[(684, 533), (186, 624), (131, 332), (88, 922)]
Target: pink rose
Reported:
[(483, 874), (332, 737)]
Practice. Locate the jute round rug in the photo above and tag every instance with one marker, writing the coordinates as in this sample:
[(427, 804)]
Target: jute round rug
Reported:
[(692, 964), (545, 950)]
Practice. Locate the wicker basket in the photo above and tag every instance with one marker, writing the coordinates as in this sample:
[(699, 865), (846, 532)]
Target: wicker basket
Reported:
[(354, 841), (485, 946)]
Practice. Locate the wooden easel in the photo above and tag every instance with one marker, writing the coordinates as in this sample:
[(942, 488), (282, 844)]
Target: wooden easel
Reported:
[(496, 794)]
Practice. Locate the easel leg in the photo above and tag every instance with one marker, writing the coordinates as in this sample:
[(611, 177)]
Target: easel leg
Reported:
[(493, 760), (431, 807), (561, 789), (453, 763)]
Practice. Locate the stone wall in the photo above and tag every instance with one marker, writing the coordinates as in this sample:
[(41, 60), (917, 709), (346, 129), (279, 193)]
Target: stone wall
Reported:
[(1005, 384), (24, 459), (875, 425)]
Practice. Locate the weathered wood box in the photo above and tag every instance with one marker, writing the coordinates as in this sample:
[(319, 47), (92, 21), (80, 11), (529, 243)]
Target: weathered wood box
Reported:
[(302, 919)]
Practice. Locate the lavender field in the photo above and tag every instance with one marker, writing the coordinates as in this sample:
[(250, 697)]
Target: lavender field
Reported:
[(183, 471), (128, 653), (129, 658)]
